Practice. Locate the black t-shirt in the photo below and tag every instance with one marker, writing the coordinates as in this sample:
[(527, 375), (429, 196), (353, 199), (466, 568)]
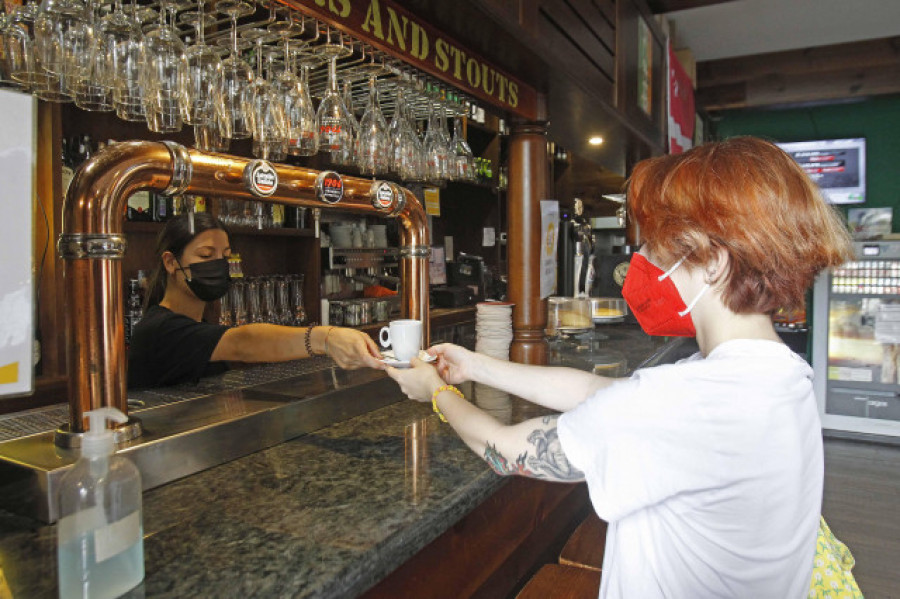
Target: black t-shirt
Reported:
[(169, 348)]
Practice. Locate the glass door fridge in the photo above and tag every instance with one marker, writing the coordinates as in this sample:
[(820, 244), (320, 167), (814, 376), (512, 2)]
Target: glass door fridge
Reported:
[(856, 343)]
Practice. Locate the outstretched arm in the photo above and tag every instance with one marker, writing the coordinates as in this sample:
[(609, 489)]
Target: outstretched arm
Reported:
[(557, 388), (530, 448), (273, 343)]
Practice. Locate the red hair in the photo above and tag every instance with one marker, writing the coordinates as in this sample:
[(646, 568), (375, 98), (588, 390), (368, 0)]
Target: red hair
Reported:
[(748, 197)]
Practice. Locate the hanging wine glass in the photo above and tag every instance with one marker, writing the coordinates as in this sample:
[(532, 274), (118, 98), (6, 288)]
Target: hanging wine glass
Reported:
[(335, 128), (119, 39), (201, 69), (302, 132), (264, 108), (373, 149), (463, 158), (162, 52), (235, 77), (406, 151), (88, 64), (436, 147), (53, 28), (348, 156)]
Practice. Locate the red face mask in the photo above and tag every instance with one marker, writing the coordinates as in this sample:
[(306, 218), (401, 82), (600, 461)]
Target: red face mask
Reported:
[(655, 301)]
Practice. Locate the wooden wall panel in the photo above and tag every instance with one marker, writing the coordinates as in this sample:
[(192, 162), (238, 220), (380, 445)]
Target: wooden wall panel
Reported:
[(578, 30)]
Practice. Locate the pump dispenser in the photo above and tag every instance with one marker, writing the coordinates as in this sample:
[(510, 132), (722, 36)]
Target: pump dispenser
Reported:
[(100, 532)]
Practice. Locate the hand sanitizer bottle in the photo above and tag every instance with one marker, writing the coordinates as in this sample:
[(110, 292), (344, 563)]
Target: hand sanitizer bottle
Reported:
[(100, 531)]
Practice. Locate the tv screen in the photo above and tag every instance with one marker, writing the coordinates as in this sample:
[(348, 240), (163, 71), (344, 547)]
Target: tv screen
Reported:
[(837, 166)]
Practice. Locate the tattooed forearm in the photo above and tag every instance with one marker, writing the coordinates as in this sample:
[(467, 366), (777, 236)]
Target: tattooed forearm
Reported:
[(546, 460)]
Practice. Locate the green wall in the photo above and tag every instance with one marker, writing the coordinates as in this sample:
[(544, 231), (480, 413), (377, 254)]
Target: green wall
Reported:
[(877, 119)]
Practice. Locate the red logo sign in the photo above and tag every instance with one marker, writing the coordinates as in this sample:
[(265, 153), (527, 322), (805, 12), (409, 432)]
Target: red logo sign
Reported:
[(329, 187)]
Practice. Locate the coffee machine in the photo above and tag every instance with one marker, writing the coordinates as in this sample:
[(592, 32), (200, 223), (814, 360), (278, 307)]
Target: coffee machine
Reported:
[(467, 278), (612, 253)]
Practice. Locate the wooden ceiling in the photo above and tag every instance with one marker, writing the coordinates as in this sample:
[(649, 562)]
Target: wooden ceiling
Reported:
[(796, 77)]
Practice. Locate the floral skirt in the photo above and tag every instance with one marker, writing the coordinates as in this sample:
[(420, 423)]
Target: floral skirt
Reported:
[(832, 578)]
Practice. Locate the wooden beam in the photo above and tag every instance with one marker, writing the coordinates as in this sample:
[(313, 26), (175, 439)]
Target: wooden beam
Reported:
[(663, 6), (839, 71), (803, 88), (822, 59)]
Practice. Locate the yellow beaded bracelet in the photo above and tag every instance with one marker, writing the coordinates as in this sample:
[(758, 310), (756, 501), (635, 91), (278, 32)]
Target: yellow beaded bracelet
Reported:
[(434, 395)]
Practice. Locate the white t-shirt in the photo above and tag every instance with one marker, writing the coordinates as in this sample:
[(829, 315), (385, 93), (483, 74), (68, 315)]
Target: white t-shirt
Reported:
[(709, 473)]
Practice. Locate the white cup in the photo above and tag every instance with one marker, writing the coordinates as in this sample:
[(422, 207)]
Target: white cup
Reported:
[(404, 336)]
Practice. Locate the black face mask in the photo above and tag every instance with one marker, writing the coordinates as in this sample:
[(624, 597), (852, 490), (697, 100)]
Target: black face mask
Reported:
[(208, 280)]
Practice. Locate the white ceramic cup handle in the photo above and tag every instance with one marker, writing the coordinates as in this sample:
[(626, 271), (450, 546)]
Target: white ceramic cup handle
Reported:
[(384, 343)]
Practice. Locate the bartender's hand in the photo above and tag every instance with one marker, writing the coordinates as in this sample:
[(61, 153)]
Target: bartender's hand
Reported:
[(419, 382), (454, 363), (353, 349)]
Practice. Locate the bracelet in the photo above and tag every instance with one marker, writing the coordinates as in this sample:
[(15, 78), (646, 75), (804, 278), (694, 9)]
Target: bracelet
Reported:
[(434, 395), (306, 341), (325, 347)]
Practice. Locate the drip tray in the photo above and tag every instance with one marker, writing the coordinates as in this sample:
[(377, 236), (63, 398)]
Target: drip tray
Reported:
[(183, 438)]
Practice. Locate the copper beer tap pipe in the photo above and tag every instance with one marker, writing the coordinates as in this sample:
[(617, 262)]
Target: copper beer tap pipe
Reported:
[(92, 245)]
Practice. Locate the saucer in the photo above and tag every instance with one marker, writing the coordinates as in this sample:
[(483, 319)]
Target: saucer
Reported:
[(389, 359)]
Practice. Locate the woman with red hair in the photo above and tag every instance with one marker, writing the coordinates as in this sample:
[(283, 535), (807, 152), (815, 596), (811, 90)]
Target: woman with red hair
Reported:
[(709, 471)]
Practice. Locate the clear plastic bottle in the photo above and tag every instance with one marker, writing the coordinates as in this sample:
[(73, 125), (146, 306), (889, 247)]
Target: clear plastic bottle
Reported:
[(100, 533)]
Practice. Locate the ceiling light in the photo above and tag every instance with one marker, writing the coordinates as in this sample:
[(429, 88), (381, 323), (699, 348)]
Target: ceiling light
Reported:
[(596, 140)]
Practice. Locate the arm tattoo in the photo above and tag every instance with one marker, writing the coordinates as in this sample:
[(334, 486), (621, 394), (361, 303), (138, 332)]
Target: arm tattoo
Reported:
[(546, 461)]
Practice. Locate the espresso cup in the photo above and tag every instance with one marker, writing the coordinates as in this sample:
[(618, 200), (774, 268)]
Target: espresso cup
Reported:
[(404, 337)]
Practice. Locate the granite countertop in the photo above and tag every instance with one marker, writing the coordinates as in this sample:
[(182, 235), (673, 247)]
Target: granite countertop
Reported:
[(327, 514)]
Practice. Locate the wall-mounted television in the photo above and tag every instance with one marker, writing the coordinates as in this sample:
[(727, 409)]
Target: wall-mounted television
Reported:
[(837, 166)]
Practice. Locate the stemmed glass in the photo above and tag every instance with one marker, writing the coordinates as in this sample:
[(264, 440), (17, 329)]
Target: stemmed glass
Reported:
[(162, 52), (88, 65), (119, 41), (264, 108), (464, 159), (302, 132), (333, 118), (374, 148), (235, 77), (406, 150), (201, 68), (436, 147)]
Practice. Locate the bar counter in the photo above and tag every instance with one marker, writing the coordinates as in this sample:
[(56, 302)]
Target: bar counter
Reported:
[(327, 514)]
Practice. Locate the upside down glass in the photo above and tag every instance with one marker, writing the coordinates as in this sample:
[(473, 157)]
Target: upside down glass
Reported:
[(162, 53), (201, 67)]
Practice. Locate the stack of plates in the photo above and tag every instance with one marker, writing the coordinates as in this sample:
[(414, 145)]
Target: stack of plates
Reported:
[(493, 329)]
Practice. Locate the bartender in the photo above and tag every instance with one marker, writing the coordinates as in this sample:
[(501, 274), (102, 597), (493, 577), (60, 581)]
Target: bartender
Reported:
[(172, 344)]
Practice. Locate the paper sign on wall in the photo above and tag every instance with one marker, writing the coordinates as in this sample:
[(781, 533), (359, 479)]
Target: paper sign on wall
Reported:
[(432, 201), (549, 236), (16, 242)]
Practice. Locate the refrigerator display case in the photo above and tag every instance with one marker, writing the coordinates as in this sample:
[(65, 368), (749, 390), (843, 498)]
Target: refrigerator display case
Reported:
[(856, 343)]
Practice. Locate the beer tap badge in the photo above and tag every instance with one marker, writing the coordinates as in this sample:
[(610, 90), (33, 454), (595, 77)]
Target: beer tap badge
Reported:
[(329, 187), (260, 178), (383, 196)]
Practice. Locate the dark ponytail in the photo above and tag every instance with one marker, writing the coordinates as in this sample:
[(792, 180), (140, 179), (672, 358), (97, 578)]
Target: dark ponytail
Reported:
[(174, 238)]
